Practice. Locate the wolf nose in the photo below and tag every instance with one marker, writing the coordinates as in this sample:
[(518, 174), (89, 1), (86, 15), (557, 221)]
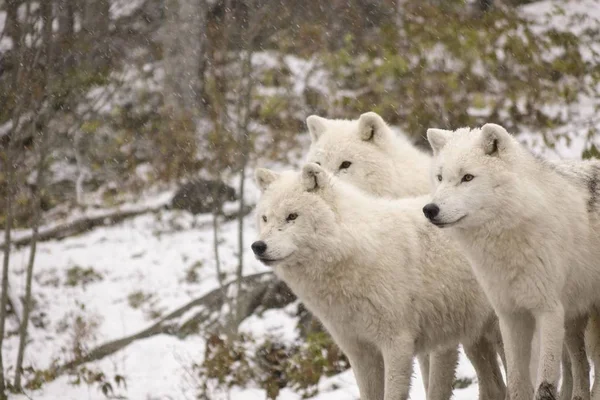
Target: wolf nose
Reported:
[(431, 210), (259, 247)]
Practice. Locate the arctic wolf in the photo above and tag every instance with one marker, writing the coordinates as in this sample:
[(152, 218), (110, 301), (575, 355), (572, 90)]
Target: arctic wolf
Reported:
[(366, 153), (384, 282), (530, 229)]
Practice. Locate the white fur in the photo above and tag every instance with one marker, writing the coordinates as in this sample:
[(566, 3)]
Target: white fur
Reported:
[(524, 225), (370, 269), (383, 163)]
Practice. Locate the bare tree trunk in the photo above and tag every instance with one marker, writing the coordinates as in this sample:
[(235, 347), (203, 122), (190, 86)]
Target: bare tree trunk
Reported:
[(46, 10), (219, 271), (201, 95), (6, 263), (66, 34), (221, 117), (257, 12), (220, 70), (182, 51), (220, 136), (4, 298), (14, 30), (244, 150), (400, 15), (216, 247), (82, 172), (29, 275), (16, 33), (95, 28)]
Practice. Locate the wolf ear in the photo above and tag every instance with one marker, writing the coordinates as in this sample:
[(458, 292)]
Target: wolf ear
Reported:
[(371, 127), (313, 177), (316, 127), (494, 139), (437, 139), (264, 177)]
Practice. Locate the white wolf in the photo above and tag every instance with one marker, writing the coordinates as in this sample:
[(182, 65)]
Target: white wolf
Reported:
[(531, 231), (368, 154), (385, 283)]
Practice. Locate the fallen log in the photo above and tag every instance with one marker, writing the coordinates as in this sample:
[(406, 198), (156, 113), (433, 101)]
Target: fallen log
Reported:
[(79, 226), (254, 287), (86, 224)]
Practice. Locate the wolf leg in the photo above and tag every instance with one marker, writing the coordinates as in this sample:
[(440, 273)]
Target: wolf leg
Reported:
[(517, 332), (575, 342), (442, 372), (566, 388), (592, 338), (482, 355), (398, 361), (551, 325), (367, 364)]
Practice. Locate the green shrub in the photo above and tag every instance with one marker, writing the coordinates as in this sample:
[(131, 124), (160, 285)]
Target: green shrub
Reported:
[(270, 364)]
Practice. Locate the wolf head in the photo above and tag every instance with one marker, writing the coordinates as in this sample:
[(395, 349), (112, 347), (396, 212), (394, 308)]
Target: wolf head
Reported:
[(296, 220), (360, 152), (475, 176)]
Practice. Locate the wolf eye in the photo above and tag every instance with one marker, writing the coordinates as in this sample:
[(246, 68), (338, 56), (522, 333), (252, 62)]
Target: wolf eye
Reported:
[(439, 177), (345, 165), (264, 218), (291, 217), (318, 163), (467, 178)]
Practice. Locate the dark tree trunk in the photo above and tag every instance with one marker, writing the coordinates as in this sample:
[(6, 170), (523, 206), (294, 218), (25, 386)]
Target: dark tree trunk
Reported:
[(95, 30), (66, 35), (14, 30)]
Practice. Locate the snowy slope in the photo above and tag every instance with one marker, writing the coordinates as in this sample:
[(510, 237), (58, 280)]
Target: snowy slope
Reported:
[(572, 139), (150, 254)]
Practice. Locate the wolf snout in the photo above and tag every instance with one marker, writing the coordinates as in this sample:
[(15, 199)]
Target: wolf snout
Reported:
[(431, 210), (259, 247)]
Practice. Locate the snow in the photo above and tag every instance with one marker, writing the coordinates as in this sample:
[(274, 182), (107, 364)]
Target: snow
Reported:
[(571, 140), (150, 256), (124, 8), (556, 14), (2, 20), (5, 42), (273, 323)]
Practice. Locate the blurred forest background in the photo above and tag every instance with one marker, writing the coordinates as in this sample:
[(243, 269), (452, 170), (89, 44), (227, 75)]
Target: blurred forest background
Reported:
[(107, 107)]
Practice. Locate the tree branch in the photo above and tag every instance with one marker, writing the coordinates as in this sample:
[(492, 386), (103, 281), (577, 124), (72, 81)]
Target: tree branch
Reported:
[(255, 285), (78, 226)]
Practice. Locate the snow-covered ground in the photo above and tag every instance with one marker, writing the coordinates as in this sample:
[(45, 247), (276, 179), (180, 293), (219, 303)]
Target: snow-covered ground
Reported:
[(147, 258), (144, 258), (139, 270)]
